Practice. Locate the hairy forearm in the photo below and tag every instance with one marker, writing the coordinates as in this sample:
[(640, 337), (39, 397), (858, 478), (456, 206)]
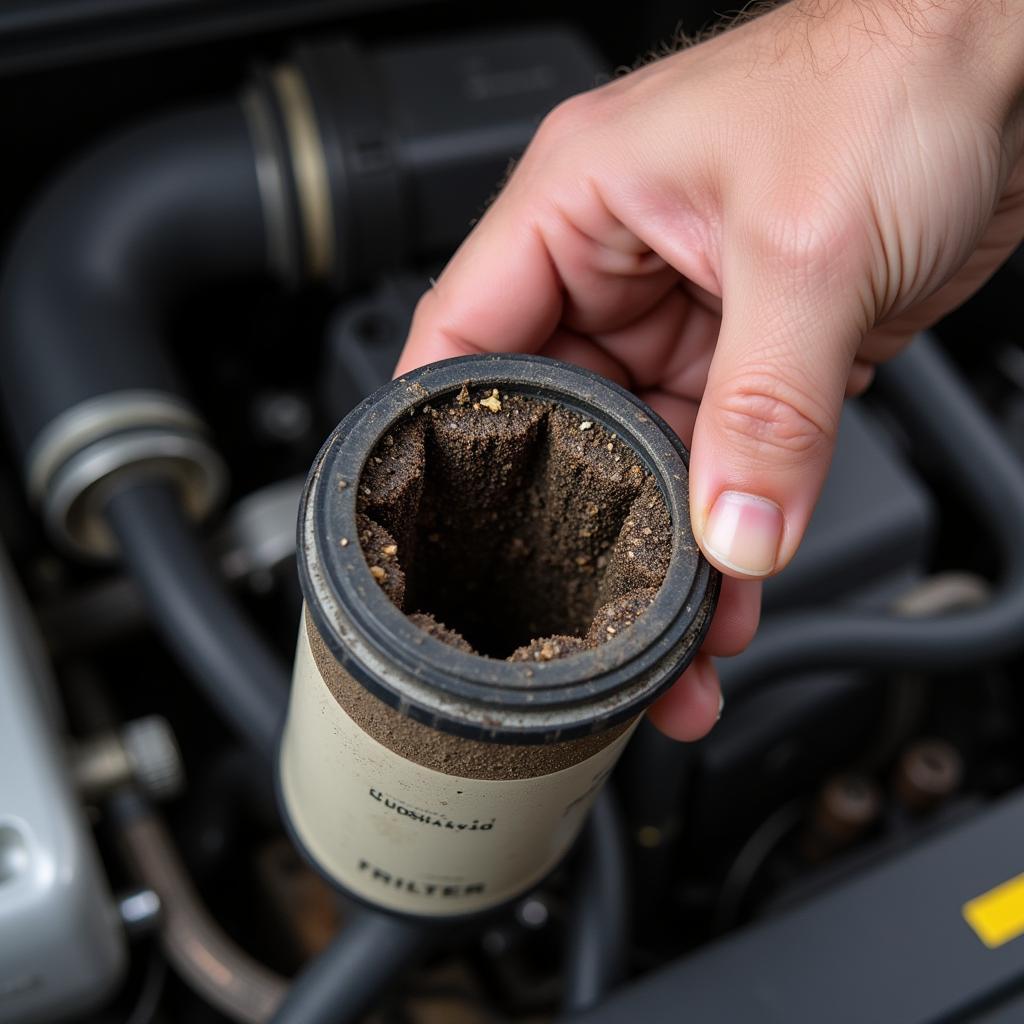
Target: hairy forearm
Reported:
[(973, 49)]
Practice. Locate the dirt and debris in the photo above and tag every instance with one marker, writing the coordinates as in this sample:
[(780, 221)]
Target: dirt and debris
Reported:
[(492, 402), (511, 527), (433, 628), (385, 569)]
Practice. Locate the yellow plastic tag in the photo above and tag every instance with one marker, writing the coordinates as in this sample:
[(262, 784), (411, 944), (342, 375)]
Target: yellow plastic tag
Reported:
[(997, 916)]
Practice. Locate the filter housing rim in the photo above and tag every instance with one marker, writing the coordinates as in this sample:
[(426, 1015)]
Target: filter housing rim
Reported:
[(466, 694)]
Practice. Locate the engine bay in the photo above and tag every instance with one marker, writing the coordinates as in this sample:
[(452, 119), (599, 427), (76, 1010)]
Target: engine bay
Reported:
[(219, 219)]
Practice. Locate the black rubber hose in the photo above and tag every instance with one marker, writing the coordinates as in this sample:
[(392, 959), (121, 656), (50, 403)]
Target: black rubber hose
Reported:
[(200, 622), (600, 918), (941, 417), (347, 978), (109, 246)]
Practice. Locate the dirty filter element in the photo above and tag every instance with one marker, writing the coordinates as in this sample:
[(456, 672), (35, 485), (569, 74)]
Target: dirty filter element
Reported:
[(499, 577)]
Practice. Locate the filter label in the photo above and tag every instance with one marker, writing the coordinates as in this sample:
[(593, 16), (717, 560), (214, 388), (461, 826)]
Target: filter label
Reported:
[(413, 839)]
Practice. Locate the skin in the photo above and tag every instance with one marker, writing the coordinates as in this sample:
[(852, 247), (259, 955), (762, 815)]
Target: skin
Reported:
[(739, 232)]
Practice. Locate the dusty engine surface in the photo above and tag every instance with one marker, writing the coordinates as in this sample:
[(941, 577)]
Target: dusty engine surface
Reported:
[(218, 220)]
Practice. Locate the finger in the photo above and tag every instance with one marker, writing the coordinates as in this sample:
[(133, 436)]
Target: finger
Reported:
[(499, 293), (669, 346), (549, 251), (679, 413), (767, 423), (692, 706), (736, 618), (610, 276), (571, 348), (861, 375)]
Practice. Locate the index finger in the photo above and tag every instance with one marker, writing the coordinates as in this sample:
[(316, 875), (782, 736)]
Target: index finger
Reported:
[(499, 293)]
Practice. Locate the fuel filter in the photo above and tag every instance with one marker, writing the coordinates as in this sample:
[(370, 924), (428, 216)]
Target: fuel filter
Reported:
[(499, 577)]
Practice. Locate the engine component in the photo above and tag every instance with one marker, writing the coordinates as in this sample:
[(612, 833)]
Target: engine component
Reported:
[(141, 912), (846, 807), (311, 176), (88, 393), (415, 772), (928, 773), (394, 152), (872, 529), (227, 656), (599, 939), (932, 934), (62, 947), (143, 752), (342, 983), (197, 947), (364, 340)]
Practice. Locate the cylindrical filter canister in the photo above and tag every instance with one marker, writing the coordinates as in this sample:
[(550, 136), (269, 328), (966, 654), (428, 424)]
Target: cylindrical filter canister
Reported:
[(499, 577)]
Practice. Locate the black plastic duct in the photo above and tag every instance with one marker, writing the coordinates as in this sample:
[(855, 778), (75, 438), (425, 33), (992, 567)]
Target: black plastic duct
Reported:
[(108, 247)]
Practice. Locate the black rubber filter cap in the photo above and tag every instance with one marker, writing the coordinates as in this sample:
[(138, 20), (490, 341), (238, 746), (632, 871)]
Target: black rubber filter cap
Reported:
[(463, 693)]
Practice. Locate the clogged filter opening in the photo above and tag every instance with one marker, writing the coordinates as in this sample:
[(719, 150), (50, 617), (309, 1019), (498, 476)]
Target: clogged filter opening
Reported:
[(512, 527)]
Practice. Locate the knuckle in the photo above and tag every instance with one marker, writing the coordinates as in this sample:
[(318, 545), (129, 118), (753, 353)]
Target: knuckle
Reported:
[(763, 412), (426, 304), (803, 233), (567, 121)]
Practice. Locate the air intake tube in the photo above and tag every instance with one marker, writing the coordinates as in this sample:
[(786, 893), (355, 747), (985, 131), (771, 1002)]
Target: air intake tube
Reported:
[(334, 166), (88, 391)]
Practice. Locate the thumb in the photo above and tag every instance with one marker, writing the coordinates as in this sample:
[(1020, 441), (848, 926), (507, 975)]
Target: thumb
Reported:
[(767, 423)]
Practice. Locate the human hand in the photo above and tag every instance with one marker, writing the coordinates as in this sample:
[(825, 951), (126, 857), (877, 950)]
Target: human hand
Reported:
[(738, 233)]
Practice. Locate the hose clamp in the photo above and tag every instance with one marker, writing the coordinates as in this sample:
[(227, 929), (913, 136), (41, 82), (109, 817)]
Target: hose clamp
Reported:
[(309, 167), (88, 451), (275, 180)]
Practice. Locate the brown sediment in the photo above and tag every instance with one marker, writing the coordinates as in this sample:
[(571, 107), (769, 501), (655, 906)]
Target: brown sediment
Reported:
[(516, 525), (433, 628), (381, 552), (453, 755)]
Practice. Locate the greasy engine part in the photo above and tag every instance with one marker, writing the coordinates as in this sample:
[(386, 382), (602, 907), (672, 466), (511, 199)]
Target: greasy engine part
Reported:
[(193, 942), (929, 772), (62, 945), (931, 933), (846, 807), (541, 510)]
